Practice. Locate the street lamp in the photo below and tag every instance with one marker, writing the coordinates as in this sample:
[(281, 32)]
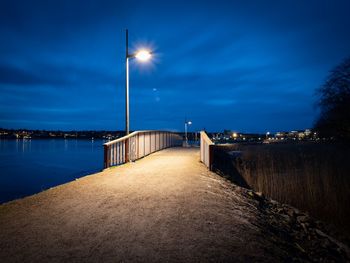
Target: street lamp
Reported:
[(142, 55), (186, 124), (234, 135)]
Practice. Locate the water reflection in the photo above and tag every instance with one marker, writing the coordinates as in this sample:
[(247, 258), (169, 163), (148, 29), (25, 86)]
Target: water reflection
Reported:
[(26, 145), (31, 165)]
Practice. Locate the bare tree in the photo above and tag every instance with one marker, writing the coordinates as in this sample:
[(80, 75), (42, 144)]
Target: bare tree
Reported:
[(334, 120)]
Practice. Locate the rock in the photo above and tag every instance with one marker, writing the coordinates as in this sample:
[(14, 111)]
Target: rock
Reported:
[(299, 247), (297, 212), (273, 202), (280, 210), (289, 211), (256, 195), (260, 194), (325, 244), (320, 233), (302, 218), (319, 224), (334, 241), (305, 228), (285, 218)]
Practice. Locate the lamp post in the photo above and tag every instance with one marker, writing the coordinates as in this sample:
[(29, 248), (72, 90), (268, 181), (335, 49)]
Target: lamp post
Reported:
[(186, 124), (142, 55)]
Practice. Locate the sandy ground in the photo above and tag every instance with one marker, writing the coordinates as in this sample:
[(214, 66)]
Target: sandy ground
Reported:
[(166, 207)]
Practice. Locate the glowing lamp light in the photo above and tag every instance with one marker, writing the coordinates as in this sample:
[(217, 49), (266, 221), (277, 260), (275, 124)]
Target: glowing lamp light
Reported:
[(186, 124), (143, 55)]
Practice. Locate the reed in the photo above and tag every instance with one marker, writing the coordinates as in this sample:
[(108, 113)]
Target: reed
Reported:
[(313, 177)]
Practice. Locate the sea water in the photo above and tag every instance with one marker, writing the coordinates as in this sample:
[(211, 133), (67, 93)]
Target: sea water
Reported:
[(29, 166)]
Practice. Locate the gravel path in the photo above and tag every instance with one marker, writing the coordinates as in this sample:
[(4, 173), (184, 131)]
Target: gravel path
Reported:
[(165, 207)]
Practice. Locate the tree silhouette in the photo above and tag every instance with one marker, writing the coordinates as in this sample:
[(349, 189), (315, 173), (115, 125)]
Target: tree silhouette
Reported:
[(334, 120)]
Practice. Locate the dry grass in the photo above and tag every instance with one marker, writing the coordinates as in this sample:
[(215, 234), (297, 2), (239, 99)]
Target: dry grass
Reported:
[(314, 177)]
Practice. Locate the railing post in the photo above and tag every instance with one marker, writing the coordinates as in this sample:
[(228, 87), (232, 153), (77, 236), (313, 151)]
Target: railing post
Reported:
[(127, 150), (138, 146), (105, 156), (211, 156)]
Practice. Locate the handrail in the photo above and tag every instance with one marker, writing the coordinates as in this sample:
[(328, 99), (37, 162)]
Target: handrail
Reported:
[(206, 150), (124, 137), (137, 145)]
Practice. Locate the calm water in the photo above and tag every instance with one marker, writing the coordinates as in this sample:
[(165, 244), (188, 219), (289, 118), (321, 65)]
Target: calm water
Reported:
[(30, 166)]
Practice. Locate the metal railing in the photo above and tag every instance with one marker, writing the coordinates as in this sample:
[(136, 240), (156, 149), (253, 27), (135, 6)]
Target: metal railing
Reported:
[(206, 150), (137, 145)]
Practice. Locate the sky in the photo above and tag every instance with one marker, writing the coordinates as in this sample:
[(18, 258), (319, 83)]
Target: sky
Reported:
[(247, 66)]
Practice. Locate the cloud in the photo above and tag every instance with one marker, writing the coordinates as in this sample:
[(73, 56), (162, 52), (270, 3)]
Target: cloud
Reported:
[(248, 65), (220, 102), (53, 75), (13, 75)]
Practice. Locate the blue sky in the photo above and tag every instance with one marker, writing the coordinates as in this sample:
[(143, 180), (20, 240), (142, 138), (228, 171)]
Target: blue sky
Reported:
[(249, 66)]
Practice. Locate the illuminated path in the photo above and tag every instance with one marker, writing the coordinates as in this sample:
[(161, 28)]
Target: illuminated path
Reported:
[(165, 207)]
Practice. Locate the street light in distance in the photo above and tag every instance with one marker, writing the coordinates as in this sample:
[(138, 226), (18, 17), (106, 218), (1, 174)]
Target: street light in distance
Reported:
[(186, 125)]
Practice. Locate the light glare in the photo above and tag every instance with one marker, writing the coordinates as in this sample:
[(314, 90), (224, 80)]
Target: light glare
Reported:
[(143, 55)]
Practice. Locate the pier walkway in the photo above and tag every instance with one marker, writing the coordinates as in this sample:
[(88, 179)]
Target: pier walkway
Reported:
[(162, 208)]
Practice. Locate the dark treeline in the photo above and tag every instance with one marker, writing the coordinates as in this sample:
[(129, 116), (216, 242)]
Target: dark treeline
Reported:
[(334, 103)]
